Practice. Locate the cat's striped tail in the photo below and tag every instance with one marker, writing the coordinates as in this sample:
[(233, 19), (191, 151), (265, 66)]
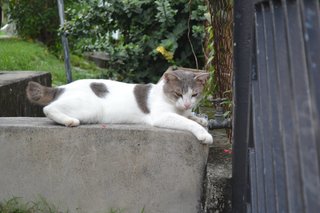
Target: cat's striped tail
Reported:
[(41, 95)]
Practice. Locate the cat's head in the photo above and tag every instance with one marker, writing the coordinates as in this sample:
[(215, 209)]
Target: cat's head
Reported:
[(184, 88)]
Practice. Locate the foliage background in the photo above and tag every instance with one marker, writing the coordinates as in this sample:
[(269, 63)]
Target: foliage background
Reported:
[(141, 37), (131, 31), (141, 26), (36, 20)]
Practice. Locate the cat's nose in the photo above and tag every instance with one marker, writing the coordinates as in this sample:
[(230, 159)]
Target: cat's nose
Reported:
[(187, 105)]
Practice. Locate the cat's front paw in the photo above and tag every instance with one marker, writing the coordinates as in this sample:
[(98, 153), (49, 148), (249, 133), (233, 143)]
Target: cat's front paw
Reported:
[(202, 122), (72, 122), (204, 137)]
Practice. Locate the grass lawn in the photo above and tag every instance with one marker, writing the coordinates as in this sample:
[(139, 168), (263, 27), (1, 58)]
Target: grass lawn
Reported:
[(18, 205), (20, 55)]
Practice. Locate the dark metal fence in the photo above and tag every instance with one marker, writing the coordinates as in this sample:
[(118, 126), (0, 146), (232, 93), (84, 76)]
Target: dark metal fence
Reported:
[(276, 130)]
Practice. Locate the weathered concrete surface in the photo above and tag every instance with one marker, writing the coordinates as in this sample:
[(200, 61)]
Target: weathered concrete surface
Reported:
[(217, 183), (13, 97), (93, 168)]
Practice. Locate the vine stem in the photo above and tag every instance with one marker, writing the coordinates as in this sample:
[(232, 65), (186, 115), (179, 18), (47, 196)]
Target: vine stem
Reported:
[(191, 45)]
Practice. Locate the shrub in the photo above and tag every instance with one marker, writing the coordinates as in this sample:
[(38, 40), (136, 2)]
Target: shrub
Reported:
[(150, 34), (36, 19)]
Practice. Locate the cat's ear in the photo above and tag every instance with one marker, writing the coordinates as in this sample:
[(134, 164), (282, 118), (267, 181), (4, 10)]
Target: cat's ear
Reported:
[(171, 75), (202, 77)]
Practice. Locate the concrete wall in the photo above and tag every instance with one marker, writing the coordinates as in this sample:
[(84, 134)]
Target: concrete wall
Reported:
[(13, 97), (94, 168)]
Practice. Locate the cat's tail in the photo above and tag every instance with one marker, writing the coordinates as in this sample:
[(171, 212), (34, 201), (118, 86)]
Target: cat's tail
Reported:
[(41, 95)]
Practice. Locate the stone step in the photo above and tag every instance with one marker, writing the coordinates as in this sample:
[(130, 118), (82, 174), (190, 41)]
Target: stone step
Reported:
[(93, 168)]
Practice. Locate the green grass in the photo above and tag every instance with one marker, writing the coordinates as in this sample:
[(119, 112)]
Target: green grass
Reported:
[(19, 55), (2, 33), (18, 205)]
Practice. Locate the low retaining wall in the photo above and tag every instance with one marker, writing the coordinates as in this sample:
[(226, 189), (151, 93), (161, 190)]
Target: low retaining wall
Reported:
[(13, 97), (93, 168)]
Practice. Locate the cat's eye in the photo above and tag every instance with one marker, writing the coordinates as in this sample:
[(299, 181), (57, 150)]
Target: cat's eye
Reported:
[(178, 94), (195, 94)]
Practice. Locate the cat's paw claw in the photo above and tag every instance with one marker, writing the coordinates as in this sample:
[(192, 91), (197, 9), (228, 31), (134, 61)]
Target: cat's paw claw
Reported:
[(72, 122)]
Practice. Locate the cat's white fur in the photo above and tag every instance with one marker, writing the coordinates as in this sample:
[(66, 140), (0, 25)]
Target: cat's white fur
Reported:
[(78, 105)]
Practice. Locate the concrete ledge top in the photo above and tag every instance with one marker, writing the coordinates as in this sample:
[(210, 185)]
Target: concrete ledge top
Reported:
[(8, 77), (38, 122)]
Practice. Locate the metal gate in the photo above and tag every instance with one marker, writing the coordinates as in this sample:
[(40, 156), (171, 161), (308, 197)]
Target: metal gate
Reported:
[(276, 106)]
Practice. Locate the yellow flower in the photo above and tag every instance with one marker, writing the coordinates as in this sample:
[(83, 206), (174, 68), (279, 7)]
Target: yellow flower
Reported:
[(166, 54), (161, 49)]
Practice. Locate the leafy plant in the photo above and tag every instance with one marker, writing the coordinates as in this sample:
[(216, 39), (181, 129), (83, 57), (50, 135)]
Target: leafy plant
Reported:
[(37, 20), (132, 31)]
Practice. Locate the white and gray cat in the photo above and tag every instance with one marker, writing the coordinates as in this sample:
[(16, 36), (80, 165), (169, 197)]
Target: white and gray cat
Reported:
[(166, 104)]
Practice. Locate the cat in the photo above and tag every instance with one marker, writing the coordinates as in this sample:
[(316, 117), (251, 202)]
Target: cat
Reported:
[(167, 104)]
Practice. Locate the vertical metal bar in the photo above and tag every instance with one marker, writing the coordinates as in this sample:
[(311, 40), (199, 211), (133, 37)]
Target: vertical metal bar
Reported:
[(278, 148), (286, 111), (257, 94), (65, 43), (243, 19), (258, 141), (304, 131), (253, 180), (309, 10), (311, 26), (263, 62), (254, 145)]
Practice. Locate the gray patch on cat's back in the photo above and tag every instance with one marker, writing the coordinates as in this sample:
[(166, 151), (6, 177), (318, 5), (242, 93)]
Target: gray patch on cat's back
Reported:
[(58, 92), (141, 92), (99, 89)]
